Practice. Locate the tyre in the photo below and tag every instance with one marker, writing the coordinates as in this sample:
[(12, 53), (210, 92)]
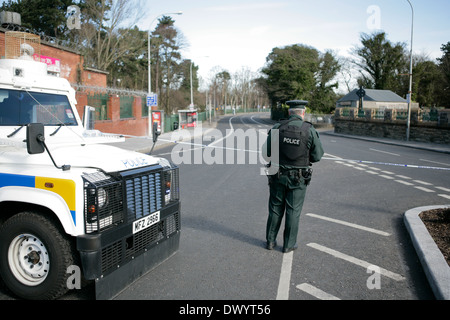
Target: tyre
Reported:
[(34, 257)]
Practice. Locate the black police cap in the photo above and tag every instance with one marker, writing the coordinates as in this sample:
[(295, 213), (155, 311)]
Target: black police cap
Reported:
[(297, 104)]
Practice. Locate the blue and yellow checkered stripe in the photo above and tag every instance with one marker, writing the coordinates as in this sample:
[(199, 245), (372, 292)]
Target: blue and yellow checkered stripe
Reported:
[(64, 188)]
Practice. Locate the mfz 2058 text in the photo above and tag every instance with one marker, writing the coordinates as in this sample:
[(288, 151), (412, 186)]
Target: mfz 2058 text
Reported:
[(227, 309)]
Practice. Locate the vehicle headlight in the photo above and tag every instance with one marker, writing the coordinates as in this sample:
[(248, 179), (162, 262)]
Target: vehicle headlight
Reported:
[(103, 201), (102, 198)]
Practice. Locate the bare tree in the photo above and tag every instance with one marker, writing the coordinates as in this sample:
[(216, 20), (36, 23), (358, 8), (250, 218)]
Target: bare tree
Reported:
[(106, 29)]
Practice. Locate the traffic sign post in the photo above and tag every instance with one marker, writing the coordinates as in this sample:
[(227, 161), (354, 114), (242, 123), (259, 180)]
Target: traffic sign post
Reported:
[(361, 93), (152, 100)]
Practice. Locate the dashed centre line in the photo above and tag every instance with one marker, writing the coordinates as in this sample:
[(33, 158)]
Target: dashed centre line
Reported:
[(423, 182), (406, 183), (424, 189), (392, 176)]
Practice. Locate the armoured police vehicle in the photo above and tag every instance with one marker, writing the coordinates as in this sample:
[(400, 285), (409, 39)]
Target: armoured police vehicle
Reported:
[(68, 201)]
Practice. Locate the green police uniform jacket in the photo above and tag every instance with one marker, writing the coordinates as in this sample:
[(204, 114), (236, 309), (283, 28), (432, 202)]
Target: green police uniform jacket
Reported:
[(314, 145)]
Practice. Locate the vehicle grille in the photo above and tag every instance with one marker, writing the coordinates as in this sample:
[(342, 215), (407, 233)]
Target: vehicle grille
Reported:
[(143, 195), (122, 251), (114, 202)]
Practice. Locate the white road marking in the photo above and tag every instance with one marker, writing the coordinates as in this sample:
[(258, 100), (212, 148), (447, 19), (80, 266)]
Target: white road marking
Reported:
[(441, 163), (446, 196), (348, 224), (404, 182), (359, 262), (393, 154), (424, 189), (388, 175), (315, 292), (285, 276), (423, 182)]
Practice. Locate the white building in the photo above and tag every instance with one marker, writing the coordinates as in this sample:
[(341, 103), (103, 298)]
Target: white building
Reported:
[(375, 99)]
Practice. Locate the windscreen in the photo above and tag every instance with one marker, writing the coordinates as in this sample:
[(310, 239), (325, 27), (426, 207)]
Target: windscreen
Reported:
[(19, 108)]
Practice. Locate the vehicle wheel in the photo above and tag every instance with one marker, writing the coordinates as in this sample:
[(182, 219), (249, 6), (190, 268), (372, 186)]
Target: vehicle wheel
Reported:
[(34, 257)]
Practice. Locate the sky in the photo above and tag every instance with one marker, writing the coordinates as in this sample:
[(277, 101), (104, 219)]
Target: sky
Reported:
[(236, 34)]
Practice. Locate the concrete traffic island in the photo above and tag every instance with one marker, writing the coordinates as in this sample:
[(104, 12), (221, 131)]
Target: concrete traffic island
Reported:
[(433, 262)]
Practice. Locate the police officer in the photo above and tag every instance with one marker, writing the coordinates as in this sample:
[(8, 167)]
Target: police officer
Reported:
[(298, 147)]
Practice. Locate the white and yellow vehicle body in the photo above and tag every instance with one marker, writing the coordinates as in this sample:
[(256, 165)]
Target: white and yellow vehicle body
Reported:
[(113, 213)]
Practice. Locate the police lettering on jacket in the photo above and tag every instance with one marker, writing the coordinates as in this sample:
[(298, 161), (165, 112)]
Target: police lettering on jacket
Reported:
[(294, 144), (291, 141)]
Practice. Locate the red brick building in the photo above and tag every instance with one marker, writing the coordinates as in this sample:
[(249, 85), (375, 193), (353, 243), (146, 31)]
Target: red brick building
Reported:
[(89, 83)]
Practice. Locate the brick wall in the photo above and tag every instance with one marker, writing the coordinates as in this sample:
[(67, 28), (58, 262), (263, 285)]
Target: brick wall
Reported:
[(73, 69), (135, 126), (368, 123), (72, 64)]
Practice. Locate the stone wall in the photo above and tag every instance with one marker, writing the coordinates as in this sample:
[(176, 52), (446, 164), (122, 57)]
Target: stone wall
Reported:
[(426, 125)]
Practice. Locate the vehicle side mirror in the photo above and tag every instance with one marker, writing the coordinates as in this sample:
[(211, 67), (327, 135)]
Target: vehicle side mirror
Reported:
[(89, 118), (156, 132), (35, 138)]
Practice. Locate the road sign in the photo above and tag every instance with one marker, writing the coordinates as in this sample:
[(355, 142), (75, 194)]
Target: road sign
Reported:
[(361, 92), (152, 100)]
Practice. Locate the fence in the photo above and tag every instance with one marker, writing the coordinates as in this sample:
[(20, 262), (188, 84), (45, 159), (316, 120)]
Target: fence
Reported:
[(125, 112), (427, 125), (424, 116)]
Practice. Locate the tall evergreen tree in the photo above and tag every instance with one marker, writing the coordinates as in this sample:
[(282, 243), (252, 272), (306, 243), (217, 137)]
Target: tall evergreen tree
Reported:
[(381, 62), (444, 66)]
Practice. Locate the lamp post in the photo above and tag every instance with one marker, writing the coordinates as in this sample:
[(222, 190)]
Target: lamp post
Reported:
[(408, 121), (192, 93)]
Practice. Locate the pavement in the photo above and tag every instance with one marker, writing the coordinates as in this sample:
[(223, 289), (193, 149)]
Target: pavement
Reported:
[(145, 144), (433, 262)]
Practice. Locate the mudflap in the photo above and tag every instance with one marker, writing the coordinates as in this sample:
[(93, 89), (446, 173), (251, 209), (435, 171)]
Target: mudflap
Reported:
[(112, 284)]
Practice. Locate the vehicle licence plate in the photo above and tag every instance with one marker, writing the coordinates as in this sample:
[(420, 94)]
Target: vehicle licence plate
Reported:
[(146, 222)]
